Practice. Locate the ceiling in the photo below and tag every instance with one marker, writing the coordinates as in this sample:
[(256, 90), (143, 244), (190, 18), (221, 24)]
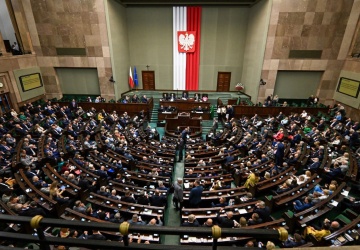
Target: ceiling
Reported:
[(244, 3)]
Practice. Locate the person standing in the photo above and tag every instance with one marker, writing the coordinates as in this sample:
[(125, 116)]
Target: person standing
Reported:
[(184, 134), (73, 105), (178, 194), (279, 155), (180, 148), (195, 195)]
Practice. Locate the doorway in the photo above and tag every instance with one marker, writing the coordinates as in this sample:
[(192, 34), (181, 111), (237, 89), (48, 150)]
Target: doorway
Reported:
[(223, 81), (5, 103), (148, 80)]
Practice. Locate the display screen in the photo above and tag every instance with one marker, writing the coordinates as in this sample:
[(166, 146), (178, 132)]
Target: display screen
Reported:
[(29, 82), (348, 87)]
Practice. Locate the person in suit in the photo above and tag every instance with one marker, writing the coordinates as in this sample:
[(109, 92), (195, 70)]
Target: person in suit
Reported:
[(195, 195), (185, 95), (333, 173), (33, 210), (184, 134), (128, 198), (315, 165), (180, 148), (229, 158), (143, 199), (191, 222), (226, 222), (352, 203), (254, 220), (263, 211), (178, 194), (279, 155), (301, 206), (295, 241), (73, 105), (158, 200), (199, 109)]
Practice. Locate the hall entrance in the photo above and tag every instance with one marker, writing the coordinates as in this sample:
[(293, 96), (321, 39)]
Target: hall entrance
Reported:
[(223, 81), (148, 80), (5, 103)]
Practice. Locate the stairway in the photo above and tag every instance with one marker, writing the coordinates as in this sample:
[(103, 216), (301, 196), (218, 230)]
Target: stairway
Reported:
[(154, 112), (207, 125)]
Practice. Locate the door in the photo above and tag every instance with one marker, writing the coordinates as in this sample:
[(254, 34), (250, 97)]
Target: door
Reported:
[(223, 81), (148, 80), (5, 103)]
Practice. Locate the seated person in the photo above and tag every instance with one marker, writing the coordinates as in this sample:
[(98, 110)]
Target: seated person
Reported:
[(166, 96), (144, 99), (318, 234), (295, 241), (172, 96), (199, 109), (205, 97), (197, 97), (352, 203), (191, 222), (162, 108), (315, 165), (222, 203), (300, 206), (254, 220), (185, 95)]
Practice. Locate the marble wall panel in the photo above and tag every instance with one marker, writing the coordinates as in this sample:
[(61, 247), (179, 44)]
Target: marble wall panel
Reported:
[(306, 25)]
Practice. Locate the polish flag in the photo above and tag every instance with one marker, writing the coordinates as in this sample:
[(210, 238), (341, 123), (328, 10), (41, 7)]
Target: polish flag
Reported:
[(131, 79)]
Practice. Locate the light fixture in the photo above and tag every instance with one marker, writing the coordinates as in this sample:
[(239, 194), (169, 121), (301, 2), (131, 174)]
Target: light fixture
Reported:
[(262, 82)]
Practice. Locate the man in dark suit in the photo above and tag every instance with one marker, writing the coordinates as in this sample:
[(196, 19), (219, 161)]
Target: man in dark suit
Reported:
[(279, 155), (315, 165), (73, 105), (158, 200), (263, 211), (180, 148), (229, 158), (226, 222), (184, 134), (195, 195), (33, 210)]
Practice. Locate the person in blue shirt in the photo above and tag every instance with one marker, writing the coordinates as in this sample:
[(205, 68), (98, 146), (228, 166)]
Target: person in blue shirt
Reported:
[(300, 206), (338, 116)]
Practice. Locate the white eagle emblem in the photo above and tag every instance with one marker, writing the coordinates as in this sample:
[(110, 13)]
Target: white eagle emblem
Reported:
[(186, 41)]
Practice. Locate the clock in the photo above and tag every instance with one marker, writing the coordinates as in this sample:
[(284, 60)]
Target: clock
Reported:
[(1, 85)]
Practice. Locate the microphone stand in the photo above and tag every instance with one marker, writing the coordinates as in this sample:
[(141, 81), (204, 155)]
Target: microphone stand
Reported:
[(177, 93)]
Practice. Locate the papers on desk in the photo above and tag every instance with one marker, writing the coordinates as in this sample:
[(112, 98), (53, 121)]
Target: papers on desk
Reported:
[(147, 211), (345, 192), (334, 203), (242, 211), (166, 112), (194, 239), (199, 112)]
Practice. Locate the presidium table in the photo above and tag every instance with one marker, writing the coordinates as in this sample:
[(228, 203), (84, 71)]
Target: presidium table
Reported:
[(187, 106)]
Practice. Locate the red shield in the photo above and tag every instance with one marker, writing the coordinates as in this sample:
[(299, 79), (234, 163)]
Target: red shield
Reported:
[(186, 41)]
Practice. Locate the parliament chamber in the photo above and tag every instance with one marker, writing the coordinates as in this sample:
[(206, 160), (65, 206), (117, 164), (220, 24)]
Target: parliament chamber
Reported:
[(236, 126)]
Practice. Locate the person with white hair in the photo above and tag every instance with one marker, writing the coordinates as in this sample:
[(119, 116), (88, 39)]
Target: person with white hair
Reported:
[(178, 194)]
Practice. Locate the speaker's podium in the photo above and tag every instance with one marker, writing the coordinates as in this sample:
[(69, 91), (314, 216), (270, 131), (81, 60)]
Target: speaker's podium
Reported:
[(183, 120)]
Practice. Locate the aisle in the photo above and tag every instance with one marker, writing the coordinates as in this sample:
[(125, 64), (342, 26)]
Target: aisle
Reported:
[(172, 217)]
